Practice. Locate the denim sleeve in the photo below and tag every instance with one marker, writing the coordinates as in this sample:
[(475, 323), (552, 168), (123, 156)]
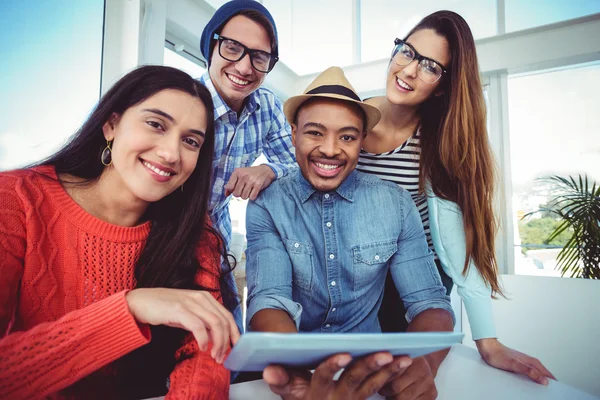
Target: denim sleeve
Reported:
[(278, 147), (413, 268), (268, 267)]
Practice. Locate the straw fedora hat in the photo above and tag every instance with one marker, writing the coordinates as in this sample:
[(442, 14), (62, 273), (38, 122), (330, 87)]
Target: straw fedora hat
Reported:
[(333, 84)]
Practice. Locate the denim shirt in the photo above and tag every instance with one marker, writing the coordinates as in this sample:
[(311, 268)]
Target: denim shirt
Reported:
[(323, 257)]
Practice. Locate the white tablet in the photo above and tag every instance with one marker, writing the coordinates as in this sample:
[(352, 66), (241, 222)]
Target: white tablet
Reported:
[(256, 350)]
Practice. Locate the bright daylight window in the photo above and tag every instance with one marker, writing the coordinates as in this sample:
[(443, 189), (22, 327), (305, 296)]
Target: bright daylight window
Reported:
[(176, 60), (381, 21), (313, 34), (554, 130), (524, 14), (49, 74), (217, 3), (309, 40)]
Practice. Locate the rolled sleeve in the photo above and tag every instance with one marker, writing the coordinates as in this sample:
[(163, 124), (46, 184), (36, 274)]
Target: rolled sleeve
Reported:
[(414, 271), (265, 301), (418, 308), (281, 170), (268, 267)]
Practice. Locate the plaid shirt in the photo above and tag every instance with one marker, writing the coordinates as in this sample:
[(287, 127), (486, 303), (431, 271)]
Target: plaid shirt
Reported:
[(260, 128)]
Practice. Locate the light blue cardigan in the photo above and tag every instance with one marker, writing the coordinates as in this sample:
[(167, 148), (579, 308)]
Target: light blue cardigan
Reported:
[(447, 232)]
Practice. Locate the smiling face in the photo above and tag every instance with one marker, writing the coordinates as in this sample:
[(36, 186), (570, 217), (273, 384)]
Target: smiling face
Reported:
[(327, 136), (403, 86), (234, 81), (155, 144)]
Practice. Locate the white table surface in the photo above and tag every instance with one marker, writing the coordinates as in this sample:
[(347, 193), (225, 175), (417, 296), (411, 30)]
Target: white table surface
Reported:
[(462, 375)]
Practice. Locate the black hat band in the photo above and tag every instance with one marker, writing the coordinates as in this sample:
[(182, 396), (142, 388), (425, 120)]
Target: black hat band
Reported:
[(334, 89)]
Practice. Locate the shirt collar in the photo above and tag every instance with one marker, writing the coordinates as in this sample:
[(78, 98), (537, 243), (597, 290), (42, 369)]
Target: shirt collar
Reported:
[(345, 190), (221, 108)]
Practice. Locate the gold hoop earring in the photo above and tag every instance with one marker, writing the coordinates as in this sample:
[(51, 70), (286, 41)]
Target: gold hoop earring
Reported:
[(106, 157)]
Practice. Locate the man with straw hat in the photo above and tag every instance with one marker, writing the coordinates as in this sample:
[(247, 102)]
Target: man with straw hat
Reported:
[(322, 239)]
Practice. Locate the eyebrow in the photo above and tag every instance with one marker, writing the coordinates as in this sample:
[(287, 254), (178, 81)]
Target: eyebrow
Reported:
[(243, 45), (350, 128), (429, 58), (321, 126), (170, 118), (160, 112), (314, 125)]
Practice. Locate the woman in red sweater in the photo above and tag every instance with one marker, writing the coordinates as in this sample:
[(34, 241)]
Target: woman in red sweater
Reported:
[(109, 270)]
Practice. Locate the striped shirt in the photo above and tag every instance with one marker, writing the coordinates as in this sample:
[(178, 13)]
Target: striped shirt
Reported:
[(261, 128), (400, 166)]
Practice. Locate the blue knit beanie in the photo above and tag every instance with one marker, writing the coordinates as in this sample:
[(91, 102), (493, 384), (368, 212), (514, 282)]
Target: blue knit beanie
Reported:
[(224, 14)]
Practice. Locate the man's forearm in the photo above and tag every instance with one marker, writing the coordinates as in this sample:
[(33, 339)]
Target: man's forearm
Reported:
[(433, 320), (271, 320)]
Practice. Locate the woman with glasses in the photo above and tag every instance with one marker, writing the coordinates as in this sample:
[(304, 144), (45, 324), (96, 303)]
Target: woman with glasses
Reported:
[(110, 281), (432, 140)]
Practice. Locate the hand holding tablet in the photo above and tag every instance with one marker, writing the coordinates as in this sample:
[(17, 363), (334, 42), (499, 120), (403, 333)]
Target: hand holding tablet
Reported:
[(360, 379), (257, 350)]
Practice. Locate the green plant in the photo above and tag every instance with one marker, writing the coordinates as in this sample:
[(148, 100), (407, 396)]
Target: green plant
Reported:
[(577, 203), (535, 233)]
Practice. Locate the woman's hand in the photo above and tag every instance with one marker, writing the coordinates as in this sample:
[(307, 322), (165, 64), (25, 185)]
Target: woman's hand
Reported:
[(193, 310), (499, 356)]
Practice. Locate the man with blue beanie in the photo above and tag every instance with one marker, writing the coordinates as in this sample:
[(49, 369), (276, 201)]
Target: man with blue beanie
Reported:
[(239, 44)]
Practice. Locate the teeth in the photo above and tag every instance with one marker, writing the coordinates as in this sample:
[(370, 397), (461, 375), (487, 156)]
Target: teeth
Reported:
[(403, 84), (327, 166), (238, 81), (158, 171)]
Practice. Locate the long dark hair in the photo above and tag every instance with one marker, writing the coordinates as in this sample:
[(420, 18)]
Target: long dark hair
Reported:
[(178, 221), (455, 151)]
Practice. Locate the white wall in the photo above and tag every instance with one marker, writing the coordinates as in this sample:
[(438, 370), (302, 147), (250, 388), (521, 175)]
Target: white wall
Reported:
[(554, 319)]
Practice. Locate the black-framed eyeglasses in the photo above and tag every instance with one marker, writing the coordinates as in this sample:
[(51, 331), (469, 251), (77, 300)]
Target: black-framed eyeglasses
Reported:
[(429, 70), (232, 50)]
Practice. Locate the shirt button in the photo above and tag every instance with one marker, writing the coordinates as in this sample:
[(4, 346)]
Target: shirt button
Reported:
[(326, 195), (296, 245), (331, 256), (377, 257), (333, 309), (327, 326), (328, 224), (332, 283)]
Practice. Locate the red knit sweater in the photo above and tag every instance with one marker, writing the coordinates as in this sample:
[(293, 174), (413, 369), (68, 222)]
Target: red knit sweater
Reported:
[(63, 315)]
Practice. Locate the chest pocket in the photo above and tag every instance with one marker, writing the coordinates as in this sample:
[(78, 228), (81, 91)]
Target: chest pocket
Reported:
[(301, 256), (370, 261)]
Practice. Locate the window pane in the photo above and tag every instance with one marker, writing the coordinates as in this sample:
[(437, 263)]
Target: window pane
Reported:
[(313, 34), (49, 74), (217, 3), (173, 59), (486, 97), (384, 20), (554, 130), (523, 14), (237, 206)]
